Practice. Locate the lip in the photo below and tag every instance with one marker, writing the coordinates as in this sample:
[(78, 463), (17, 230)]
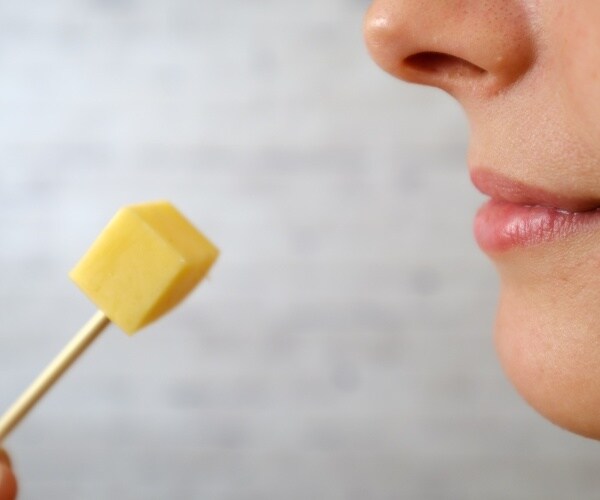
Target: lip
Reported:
[(518, 215)]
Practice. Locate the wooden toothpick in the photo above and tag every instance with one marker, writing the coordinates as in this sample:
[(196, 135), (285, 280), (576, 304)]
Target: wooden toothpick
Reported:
[(88, 333)]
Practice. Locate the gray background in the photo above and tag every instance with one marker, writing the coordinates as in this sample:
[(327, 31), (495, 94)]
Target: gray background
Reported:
[(342, 347)]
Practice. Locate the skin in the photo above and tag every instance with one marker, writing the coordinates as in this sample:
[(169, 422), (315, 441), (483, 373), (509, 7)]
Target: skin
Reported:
[(527, 73), (8, 483)]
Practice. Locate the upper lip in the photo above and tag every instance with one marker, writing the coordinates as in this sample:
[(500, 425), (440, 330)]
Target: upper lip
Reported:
[(500, 187)]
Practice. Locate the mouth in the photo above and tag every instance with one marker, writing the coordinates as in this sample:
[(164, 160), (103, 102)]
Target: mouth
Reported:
[(518, 215)]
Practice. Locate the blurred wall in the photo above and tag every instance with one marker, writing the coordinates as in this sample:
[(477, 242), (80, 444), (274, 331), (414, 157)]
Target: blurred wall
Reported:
[(342, 347)]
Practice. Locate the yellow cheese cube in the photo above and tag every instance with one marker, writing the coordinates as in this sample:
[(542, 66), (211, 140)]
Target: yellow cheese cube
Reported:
[(144, 263)]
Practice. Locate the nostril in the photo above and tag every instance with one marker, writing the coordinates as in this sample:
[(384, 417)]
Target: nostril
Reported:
[(438, 63)]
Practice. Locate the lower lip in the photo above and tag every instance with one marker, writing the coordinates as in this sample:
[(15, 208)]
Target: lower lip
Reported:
[(501, 226)]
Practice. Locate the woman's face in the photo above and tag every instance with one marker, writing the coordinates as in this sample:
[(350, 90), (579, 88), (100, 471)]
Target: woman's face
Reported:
[(527, 73)]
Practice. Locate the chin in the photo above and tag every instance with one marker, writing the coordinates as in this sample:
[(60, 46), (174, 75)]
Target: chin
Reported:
[(548, 341)]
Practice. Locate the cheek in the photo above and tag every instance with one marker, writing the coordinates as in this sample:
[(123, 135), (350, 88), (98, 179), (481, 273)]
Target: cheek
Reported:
[(575, 43)]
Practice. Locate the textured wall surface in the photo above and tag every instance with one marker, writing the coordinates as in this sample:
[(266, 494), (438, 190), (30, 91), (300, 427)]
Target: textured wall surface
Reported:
[(342, 347)]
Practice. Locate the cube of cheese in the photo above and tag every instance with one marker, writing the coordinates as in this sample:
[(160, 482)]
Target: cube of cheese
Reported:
[(144, 263)]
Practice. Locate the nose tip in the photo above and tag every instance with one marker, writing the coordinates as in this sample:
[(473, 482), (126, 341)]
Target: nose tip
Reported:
[(461, 46)]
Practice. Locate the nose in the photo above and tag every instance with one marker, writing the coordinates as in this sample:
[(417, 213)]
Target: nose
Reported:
[(464, 47)]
